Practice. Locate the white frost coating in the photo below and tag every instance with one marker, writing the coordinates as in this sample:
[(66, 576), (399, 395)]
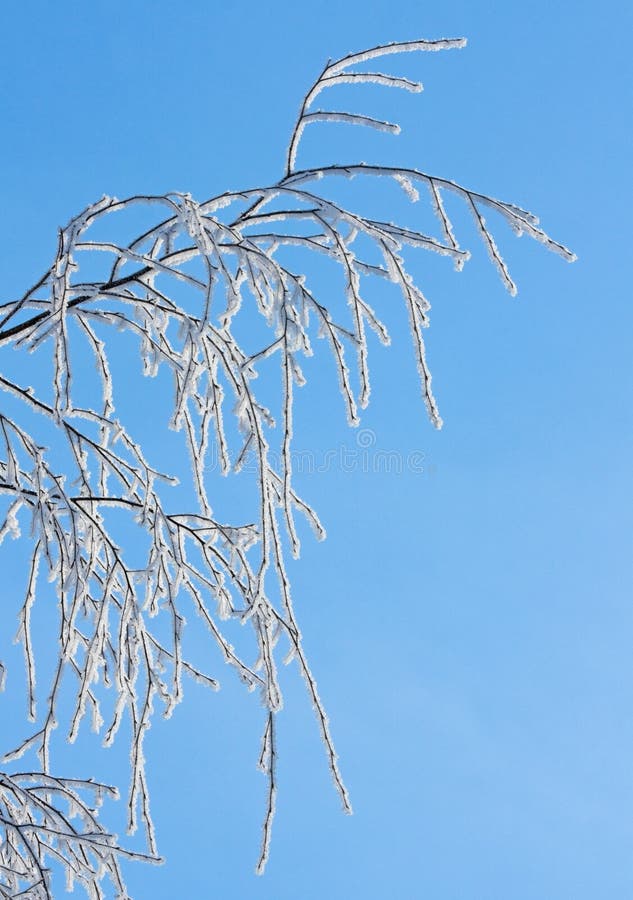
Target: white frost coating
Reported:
[(493, 251), (440, 212), (231, 338), (335, 73), (36, 830), (416, 239), (24, 632), (362, 78), (351, 119), (407, 186), (402, 47), (415, 87), (11, 526)]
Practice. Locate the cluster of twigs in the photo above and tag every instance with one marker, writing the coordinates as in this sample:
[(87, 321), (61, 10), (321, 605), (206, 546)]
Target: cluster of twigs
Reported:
[(37, 822), (179, 289)]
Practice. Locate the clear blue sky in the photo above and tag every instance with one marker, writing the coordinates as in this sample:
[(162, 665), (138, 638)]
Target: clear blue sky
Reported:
[(470, 625)]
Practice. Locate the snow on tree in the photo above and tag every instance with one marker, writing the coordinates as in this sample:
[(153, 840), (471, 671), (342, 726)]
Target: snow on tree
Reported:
[(212, 292)]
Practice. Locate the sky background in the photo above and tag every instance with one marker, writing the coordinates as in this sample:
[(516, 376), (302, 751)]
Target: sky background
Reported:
[(469, 624)]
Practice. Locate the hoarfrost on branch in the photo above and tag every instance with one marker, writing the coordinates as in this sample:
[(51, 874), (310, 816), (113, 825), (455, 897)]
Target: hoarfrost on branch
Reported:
[(181, 288)]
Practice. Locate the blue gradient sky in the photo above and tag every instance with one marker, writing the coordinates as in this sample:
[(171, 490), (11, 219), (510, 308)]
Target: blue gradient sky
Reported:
[(469, 625)]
